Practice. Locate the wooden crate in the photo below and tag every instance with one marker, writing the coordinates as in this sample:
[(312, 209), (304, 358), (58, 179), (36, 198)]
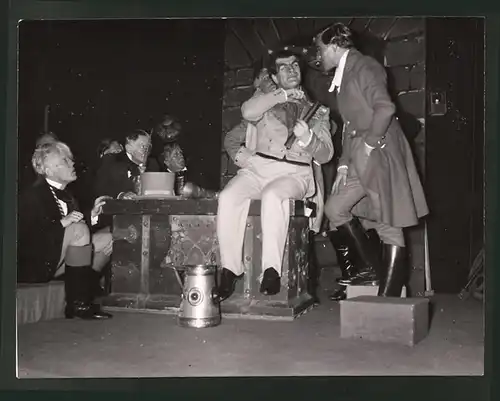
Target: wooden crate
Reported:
[(385, 319), (149, 234)]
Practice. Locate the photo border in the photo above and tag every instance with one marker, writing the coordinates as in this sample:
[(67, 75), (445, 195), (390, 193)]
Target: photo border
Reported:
[(335, 387)]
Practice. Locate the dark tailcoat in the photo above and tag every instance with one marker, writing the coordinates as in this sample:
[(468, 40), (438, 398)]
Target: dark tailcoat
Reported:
[(117, 173), (395, 193), (40, 233)]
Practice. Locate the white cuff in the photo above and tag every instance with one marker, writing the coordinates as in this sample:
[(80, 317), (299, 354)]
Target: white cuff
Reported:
[(94, 220), (369, 147), (342, 166)]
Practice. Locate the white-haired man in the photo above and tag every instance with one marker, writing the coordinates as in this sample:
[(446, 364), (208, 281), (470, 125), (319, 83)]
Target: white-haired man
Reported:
[(54, 235)]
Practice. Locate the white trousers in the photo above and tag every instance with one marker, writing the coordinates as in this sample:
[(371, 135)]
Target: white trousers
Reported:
[(275, 183)]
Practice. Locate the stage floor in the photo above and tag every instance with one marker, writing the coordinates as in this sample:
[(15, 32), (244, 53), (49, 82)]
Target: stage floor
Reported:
[(152, 345)]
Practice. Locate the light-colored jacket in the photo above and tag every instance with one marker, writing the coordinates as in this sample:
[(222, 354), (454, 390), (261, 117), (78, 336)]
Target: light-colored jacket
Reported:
[(268, 135)]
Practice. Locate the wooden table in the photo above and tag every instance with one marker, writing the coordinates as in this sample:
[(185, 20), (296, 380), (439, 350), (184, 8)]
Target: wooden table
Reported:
[(150, 233)]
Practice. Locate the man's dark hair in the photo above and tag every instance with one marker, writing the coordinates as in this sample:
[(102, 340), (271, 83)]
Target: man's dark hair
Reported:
[(274, 56), (103, 146), (132, 136), (337, 34)]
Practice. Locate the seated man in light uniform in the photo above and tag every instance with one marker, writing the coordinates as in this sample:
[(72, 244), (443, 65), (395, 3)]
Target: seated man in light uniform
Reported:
[(54, 235), (270, 171)]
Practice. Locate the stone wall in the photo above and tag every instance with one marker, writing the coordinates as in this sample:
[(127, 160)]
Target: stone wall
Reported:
[(238, 87)]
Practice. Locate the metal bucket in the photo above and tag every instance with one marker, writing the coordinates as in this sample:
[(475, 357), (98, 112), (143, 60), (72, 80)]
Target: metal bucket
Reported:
[(198, 308)]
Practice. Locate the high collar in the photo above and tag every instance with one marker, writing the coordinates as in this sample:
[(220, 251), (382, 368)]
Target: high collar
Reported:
[(339, 73), (57, 185), (132, 160)]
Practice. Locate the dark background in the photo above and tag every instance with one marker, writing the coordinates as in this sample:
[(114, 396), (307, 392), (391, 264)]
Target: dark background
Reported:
[(455, 142), (104, 78)]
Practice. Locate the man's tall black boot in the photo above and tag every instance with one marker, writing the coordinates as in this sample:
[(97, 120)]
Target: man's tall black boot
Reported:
[(347, 261), (369, 253), (76, 283), (396, 271)]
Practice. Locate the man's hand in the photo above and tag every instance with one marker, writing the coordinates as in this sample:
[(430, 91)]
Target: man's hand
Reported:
[(127, 195), (98, 204), (73, 217), (340, 179), (294, 94), (301, 130)]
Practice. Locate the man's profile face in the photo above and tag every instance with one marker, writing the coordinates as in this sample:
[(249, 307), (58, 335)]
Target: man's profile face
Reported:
[(287, 72), (326, 55), (139, 148), (59, 167)]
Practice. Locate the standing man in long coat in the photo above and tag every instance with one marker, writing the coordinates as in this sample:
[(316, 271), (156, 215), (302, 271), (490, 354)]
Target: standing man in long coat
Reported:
[(377, 179)]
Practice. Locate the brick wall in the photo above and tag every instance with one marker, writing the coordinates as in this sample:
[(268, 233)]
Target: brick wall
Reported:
[(238, 87), (405, 62)]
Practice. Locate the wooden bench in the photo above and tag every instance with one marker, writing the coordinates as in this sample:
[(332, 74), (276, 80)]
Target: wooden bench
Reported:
[(37, 302), (149, 233)]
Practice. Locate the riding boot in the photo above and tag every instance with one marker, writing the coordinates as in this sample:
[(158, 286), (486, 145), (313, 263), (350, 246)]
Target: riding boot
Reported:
[(77, 283), (339, 294), (369, 255), (347, 261), (347, 258), (396, 271)]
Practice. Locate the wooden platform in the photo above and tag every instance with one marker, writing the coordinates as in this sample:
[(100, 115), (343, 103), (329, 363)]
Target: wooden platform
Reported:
[(37, 302), (385, 319), (150, 234)]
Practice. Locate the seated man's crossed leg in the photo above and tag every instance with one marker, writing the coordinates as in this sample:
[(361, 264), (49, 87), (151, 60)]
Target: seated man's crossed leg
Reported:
[(82, 259)]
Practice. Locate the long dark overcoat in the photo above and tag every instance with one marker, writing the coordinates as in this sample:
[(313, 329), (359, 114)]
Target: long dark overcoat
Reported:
[(395, 193)]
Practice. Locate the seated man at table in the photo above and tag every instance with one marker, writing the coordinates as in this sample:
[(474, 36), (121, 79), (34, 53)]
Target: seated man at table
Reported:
[(54, 235), (270, 171), (119, 173)]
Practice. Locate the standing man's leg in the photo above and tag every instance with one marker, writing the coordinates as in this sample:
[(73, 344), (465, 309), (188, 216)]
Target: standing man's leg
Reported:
[(350, 235), (346, 235), (395, 263)]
